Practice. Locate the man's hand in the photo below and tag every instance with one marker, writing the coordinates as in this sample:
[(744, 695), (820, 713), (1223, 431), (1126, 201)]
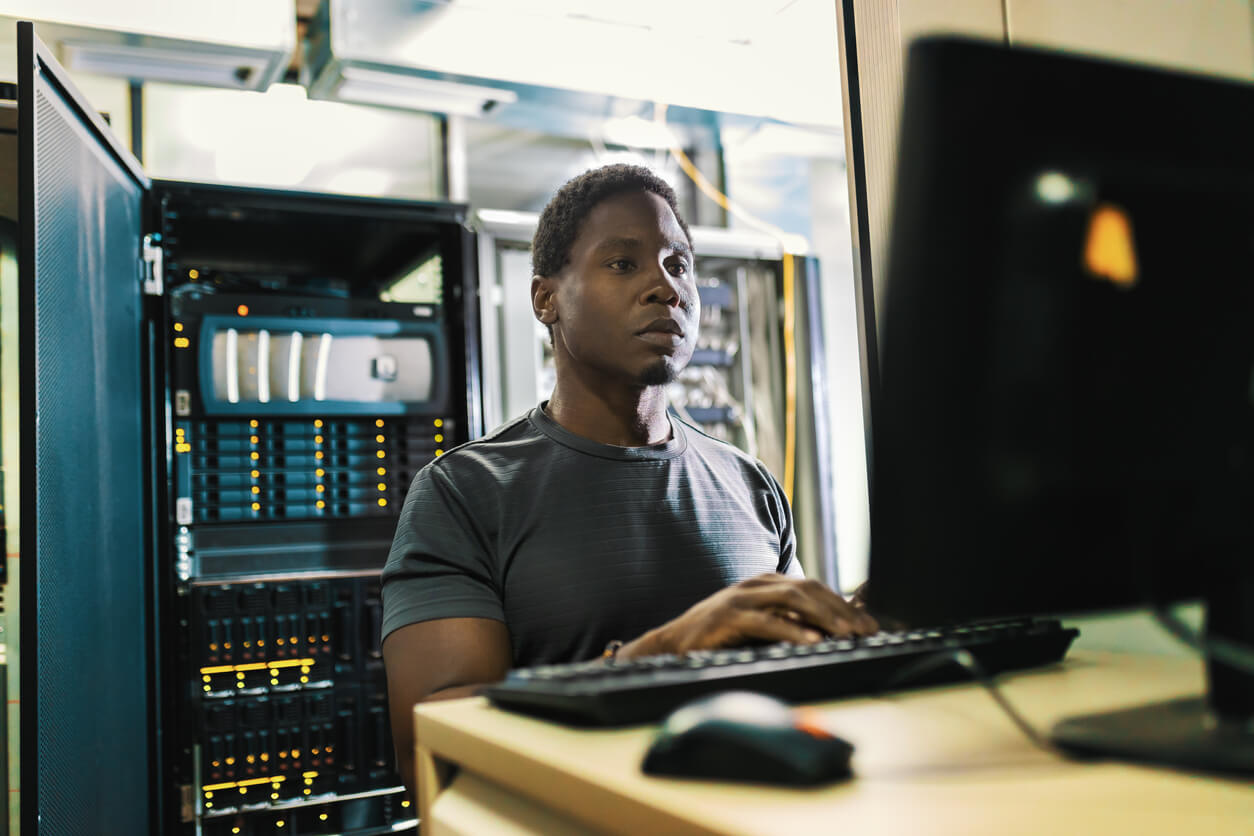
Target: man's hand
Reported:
[(770, 608)]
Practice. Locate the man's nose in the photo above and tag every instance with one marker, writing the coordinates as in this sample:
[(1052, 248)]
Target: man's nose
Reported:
[(664, 289)]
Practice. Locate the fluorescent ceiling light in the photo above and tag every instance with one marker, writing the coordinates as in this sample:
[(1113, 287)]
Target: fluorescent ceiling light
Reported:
[(376, 87), (192, 65)]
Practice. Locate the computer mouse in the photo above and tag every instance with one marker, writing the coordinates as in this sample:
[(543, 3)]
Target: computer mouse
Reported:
[(743, 736)]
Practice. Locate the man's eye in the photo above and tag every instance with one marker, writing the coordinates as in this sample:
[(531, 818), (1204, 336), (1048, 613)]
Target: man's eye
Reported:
[(678, 268), (621, 265)]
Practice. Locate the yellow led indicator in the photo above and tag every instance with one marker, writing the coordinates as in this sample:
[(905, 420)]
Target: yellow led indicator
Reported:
[(323, 816), (239, 674), (383, 486), (254, 455), (253, 423), (379, 438), (182, 342), (256, 506), (320, 488), (242, 310), (280, 642), (1109, 251), (252, 439), (320, 504), (318, 455), (405, 803), (318, 423), (206, 678), (178, 326), (317, 439), (320, 473), (383, 471), (251, 758), (230, 761), (380, 454), (235, 830), (438, 438), (208, 794), (208, 803), (382, 502), (308, 791), (305, 668), (265, 756), (261, 642), (304, 679), (279, 823), (207, 688), (274, 682), (378, 422), (256, 489), (439, 422), (439, 452), (256, 474), (274, 795), (193, 274)]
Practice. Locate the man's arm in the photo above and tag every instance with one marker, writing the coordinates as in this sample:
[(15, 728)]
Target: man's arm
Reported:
[(436, 660)]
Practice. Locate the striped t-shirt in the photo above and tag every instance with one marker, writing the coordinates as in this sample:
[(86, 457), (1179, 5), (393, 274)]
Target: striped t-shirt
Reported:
[(572, 543)]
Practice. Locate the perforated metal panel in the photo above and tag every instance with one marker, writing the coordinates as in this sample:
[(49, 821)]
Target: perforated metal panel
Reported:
[(84, 631)]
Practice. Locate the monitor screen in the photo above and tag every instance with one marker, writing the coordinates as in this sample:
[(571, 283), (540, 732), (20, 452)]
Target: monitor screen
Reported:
[(1063, 420)]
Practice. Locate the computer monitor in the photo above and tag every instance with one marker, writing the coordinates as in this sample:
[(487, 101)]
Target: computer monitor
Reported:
[(1064, 416)]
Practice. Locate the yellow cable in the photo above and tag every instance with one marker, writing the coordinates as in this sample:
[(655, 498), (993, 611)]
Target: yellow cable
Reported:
[(790, 338), (790, 377)]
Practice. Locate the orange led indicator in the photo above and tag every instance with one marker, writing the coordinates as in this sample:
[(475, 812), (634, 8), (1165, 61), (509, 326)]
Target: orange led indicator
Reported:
[(242, 310), (193, 274), (1109, 250)]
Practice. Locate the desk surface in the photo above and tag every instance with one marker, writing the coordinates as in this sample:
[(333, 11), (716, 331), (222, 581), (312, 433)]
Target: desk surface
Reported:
[(940, 760)]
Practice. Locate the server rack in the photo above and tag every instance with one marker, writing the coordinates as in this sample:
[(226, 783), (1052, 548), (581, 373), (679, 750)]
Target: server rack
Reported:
[(224, 393)]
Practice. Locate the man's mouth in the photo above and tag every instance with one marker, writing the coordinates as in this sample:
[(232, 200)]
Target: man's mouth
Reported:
[(663, 325)]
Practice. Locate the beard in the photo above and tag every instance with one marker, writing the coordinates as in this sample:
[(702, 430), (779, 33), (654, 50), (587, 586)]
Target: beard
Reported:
[(660, 373)]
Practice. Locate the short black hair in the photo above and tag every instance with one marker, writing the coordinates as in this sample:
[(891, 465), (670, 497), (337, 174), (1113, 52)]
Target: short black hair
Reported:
[(561, 219)]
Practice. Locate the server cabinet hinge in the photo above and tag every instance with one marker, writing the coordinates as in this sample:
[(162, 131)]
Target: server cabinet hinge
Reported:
[(150, 271), (187, 803)]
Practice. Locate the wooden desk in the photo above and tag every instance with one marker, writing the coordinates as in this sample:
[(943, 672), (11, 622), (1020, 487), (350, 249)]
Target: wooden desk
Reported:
[(939, 761)]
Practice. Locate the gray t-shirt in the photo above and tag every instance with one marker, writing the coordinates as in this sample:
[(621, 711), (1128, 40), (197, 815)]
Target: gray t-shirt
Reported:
[(572, 543)]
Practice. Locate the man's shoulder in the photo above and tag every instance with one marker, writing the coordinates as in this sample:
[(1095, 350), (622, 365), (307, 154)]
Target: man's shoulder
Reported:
[(513, 441), (711, 448)]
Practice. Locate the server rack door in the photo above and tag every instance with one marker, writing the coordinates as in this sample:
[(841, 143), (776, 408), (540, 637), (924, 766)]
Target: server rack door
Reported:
[(84, 729)]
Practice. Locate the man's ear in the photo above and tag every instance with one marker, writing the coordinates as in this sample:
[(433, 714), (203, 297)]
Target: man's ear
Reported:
[(543, 299)]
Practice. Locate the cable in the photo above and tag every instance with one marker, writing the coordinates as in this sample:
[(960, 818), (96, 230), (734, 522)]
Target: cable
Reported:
[(966, 659), (790, 341)]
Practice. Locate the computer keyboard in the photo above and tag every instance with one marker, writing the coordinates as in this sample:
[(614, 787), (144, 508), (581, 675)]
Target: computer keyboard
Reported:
[(643, 690)]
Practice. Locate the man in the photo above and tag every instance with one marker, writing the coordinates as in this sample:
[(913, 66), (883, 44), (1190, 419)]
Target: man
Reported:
[(596, 519)]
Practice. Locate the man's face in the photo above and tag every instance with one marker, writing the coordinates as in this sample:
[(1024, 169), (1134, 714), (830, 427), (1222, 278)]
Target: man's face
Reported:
[(626, 304)]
